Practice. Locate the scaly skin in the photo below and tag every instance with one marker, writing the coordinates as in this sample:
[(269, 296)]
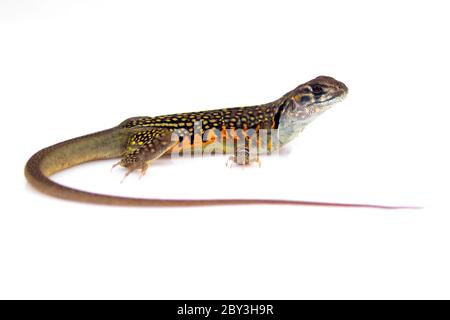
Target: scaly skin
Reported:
[(141, 140)]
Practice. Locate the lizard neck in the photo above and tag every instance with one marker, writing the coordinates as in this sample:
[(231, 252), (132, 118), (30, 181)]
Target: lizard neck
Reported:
[(290, 127)]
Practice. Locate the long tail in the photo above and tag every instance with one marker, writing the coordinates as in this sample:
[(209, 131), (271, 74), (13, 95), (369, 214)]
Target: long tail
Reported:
[(110, 144)]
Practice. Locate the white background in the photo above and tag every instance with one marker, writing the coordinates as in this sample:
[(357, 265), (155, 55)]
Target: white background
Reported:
[(71, 68)]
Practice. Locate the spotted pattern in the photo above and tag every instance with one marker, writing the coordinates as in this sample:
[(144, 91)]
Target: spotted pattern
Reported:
[(150, 137), (145, 146), (261, 116), (154, 134)]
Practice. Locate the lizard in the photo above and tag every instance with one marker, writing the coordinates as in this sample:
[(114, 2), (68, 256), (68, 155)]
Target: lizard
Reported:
[(141, 140)]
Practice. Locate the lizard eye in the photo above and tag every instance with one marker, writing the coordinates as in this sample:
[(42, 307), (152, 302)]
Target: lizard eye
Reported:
[(316, 89)]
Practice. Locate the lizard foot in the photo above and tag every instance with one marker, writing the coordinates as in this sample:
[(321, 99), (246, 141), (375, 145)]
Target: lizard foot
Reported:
[(247, 162)]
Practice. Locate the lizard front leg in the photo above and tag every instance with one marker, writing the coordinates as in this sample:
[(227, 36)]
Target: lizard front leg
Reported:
[(245, 148)]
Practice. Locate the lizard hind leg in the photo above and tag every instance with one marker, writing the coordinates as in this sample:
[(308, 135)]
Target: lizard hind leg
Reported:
[(144, 148)]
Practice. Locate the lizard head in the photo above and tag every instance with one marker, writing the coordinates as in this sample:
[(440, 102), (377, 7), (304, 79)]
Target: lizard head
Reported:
[(303, 104), (310, 99)]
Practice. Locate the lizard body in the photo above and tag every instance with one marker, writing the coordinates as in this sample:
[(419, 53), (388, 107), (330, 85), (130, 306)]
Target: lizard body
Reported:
[(141, 140)]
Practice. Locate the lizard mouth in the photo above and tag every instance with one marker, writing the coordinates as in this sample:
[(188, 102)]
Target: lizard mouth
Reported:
[(331, 101)]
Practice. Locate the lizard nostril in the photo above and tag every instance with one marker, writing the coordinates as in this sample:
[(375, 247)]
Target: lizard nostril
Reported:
[(343, 87)]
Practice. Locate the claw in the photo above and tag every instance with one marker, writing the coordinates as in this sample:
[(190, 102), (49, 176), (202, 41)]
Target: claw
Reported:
[(115, 165), (232, 159), (126, 175), (143, 171)]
